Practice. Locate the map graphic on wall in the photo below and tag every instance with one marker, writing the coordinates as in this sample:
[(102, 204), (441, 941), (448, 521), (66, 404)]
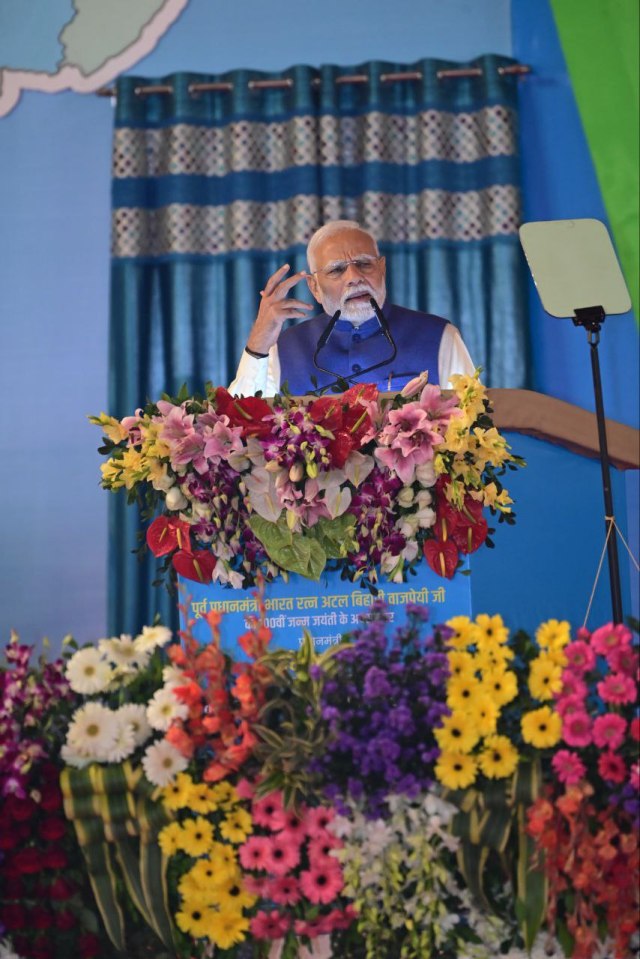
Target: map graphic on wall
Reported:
[(75, 44)]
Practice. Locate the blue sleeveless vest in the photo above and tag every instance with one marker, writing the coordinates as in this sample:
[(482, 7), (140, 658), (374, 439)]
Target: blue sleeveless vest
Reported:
[(351, 349)]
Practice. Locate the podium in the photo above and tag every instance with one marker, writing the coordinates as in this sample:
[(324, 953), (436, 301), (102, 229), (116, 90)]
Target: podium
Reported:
[(542, 568)]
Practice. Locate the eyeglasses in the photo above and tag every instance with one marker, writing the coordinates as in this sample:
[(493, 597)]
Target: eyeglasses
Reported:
[(364, 264)]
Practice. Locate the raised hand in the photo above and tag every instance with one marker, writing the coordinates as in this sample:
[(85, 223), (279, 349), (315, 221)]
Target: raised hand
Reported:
[(275, 308)]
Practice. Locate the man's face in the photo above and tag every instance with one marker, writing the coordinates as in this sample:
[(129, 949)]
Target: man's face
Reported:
[(349, 288)]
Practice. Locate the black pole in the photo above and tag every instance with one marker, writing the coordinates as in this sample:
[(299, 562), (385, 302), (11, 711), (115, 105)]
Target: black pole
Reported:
[(591, 318)]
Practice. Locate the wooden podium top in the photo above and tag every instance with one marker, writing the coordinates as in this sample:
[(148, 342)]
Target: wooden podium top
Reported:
[(555, 421)]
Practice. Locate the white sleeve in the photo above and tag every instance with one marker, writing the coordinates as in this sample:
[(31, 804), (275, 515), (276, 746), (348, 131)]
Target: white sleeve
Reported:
[(254, 375), (453, 356)]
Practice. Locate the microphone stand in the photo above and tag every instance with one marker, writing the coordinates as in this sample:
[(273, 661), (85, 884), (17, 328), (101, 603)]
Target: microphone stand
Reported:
[(328, 330)]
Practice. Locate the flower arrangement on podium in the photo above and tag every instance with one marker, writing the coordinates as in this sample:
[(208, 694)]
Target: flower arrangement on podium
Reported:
[(359, 481)]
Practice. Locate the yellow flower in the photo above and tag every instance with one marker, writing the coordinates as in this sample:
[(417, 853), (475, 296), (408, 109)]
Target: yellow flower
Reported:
[(545, 677), (493, 444), (111, 427), (209, 872), (541, 727), (457, 734), (461, 664), (227, 929), (232, 896), (197, 836), (194, 919), (223, 860), (456, 770), (462, 692), (491, 629), (464, 632), (492, 654), (501, 685), (169, 838), (112, 474), (176, 794), (484, 715), (225, 795), (202, 799), (553, 634), (237, 826), (192, 888), (499, 758), (470, 392)]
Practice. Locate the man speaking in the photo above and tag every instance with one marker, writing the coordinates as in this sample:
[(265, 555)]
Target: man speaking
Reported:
[(358, 337)]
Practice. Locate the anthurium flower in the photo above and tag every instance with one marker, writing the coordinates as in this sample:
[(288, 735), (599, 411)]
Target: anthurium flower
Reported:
[(167, 533), (441, 556), (197, 566), (251, 413)]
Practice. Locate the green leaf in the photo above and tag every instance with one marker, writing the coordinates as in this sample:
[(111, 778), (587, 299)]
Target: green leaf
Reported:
[(532, 886), (335, 535), (298, 553)]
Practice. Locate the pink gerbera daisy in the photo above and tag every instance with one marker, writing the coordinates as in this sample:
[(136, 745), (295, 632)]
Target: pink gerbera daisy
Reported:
[(256, 885), (254, 853), (568, 767), (609, 730), (634, 776), (612, 768), (610, 637), (269, 811), (270, 925), (322, 883), (567, 705), (317, 819), (283, 854), (572, 684), (284, 890), (634, 728), (617, 688), (576, 729), (320, 848), (294, 827), (310, 927), (624, 659), (580, 656)]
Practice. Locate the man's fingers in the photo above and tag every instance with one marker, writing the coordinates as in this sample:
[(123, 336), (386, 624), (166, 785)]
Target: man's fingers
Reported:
[(290, 282), (275, 278), (294, 305)]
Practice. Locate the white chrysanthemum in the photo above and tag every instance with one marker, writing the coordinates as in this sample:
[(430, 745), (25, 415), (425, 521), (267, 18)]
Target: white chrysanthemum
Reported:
[(124, 652), (6, 950), (93, 731), (124, 744), (88, 672), (72, 758), (162, 762), (153, 637), (135, 715), (164, 708)]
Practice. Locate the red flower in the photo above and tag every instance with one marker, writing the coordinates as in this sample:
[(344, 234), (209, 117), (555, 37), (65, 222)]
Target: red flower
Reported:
[(28, 861), (167, 533), (248, 413), (65, 919), (54, 858), (441, 556), (13, 916), (19, 809), (41, 918), (42, 948), (89, 945), (198, 566), (60, 889), (50, 797), (9, 838), (52, 828), (469, 536)]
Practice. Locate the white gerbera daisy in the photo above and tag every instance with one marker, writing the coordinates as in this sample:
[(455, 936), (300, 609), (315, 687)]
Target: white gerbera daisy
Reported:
[(124, 744), (72, 758), (135, 715), (93, 731), (88, 672), (164, 708), (162, 762), (123, 651), (152, 637), (173, 676)]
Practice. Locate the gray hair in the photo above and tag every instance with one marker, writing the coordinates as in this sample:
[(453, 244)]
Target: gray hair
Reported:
[(330, 229)]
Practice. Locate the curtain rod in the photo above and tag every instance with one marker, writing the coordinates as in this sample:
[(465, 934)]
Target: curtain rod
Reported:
[(516, 69)]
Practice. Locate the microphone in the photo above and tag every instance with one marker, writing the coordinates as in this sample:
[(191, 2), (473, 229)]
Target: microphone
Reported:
[(328, 330)]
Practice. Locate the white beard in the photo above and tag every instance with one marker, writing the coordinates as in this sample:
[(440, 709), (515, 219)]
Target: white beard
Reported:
[(356, 312)]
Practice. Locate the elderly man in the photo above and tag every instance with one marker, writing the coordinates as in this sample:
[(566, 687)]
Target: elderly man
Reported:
[(346, 272)]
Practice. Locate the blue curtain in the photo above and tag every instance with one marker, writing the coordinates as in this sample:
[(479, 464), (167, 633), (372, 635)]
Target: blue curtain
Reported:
[(214, 188)]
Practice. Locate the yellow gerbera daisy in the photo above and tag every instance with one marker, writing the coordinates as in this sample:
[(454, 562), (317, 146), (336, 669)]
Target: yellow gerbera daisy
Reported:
[(236, 826), (176, 794), (484, 714), (228, 928), (456, 770), (197, 836), (545, 677), (499, 757), (207, 873), (464, 632), (169, 838), (491, 628), (457, 733), (491, 653), (194, 919), (224, 794), (461, 663), (462, 692), (541, 727), (232, 896), (201, 798), (501, 685), (553, 634), (224, 861)]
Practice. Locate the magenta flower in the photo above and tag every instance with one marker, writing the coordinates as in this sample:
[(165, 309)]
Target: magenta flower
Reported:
[(317, 820), (634, 776), (284, 891), (581, 656), (568, 767), (254, 853), (609, 731), (567, 705), (573, 685), (610, 637), (576, 729), (617, 688), (322, 883), (270, 925), (269, 811), (283, 854), (624, 659), (321, 847), (612, 768)]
